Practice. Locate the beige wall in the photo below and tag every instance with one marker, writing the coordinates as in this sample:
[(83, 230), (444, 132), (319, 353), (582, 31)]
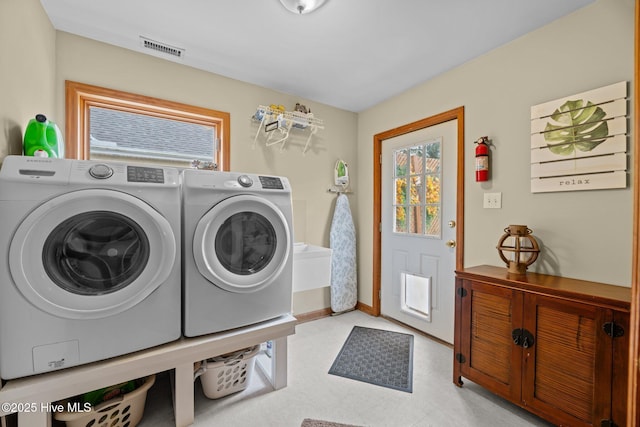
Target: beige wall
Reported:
[(87, 61), (584, 235), (27, 70)]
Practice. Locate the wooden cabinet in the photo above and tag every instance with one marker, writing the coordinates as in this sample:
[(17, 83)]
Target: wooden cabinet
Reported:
[(555, 346)]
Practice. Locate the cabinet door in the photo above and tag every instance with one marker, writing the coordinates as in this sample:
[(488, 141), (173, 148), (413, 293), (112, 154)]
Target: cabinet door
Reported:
[(620, 369), (489, 315), (567, 370)]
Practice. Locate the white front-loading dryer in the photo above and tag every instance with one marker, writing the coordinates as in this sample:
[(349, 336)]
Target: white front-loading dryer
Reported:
[(91, 262), (237, 250)]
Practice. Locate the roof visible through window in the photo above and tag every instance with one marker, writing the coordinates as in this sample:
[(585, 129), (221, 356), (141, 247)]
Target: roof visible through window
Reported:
[(125, 134)]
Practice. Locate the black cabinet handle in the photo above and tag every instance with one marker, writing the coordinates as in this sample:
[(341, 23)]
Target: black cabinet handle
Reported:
[(522, 338)]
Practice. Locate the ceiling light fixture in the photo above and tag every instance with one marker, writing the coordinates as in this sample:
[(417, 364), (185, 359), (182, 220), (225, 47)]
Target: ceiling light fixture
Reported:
[(302, 6)]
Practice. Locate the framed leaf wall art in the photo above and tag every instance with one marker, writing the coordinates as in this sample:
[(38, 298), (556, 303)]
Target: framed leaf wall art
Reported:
[(580, 142)]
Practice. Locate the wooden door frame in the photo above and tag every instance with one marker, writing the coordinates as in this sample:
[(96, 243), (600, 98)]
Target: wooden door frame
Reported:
[(633, 399), (378, 139)]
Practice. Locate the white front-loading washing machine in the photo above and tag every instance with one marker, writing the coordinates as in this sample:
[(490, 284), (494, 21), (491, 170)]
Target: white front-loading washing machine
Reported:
[(237, 243), (90, 262)]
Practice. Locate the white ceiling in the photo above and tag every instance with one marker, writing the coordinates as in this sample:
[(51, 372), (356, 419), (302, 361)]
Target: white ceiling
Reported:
[(350, 54)]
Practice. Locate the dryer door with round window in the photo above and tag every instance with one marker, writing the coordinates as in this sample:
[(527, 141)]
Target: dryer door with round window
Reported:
[(91, 253), (242, 244)]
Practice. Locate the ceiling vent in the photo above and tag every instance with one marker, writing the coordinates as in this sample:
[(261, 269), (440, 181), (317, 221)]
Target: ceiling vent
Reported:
[(146, 43)]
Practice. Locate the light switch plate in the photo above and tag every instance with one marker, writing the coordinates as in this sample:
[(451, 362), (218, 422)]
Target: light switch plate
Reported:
[(492, 201)]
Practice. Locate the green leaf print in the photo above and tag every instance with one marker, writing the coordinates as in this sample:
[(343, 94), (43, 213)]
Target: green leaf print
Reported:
[(579, 127)]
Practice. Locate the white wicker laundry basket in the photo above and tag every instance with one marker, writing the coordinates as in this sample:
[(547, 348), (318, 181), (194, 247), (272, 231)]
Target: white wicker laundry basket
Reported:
[(122, 411), (227, 374)]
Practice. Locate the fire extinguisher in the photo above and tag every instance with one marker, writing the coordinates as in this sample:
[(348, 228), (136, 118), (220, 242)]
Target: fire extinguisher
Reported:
[(482, 159)]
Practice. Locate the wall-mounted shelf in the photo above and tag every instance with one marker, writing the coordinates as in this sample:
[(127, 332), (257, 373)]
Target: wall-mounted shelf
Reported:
[(278, 123), (339, 189)]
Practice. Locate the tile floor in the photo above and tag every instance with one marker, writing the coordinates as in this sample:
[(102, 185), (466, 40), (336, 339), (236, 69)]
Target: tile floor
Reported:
[(313, 393)]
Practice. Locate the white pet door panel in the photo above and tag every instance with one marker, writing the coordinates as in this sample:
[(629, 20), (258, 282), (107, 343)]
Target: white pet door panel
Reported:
[(416, 295)]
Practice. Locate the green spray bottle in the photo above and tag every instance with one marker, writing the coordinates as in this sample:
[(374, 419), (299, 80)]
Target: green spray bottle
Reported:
[(42, 138)]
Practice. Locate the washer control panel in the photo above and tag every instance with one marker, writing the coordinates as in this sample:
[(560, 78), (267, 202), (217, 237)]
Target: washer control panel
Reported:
[(145, 174), (245, 181), (100, 171)]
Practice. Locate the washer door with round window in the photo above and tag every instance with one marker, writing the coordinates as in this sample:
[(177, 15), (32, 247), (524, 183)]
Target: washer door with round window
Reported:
[(92, 253), (242, 244)]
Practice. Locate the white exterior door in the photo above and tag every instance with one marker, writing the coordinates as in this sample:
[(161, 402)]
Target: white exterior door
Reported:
[(419, 182)]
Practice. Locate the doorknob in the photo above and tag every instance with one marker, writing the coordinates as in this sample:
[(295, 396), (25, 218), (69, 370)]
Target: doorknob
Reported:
[(451, 243)]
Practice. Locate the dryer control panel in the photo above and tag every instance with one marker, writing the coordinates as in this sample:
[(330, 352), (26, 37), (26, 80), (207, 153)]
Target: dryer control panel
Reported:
[(268, 182), (234, 182), (271, 183), (245, 180)]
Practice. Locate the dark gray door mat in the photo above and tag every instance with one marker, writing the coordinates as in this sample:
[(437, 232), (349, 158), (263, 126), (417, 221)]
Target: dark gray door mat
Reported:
[(379, 357)]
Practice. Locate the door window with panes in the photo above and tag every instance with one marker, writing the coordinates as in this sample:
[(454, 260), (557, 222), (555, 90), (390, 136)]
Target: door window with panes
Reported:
[(418, 194)]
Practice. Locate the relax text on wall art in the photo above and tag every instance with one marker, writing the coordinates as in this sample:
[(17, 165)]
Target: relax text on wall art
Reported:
[(580, 142)]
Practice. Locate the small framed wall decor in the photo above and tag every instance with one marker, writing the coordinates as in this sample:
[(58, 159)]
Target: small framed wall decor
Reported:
[(580, 142)]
